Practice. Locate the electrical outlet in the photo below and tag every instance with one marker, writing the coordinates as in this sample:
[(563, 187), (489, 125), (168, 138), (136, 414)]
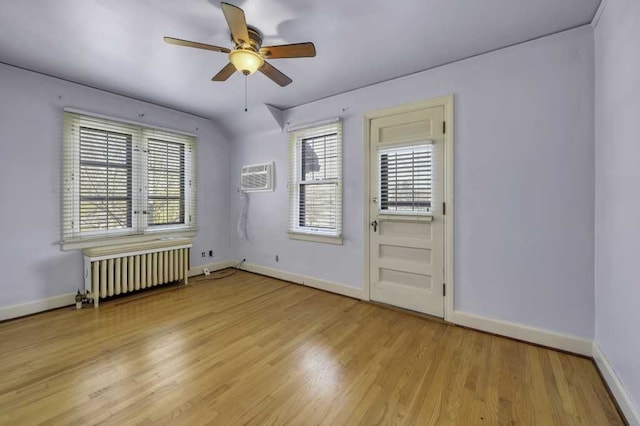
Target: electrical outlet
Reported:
[(203, 254), (206, 271), (277, 258), (210, 253)]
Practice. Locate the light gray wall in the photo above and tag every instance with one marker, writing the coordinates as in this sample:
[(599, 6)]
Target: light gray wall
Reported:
[(524, 158), (617, 282), (32, 265)]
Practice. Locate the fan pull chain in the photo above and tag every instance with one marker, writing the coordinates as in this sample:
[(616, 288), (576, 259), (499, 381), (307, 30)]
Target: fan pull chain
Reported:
[(245, 93)]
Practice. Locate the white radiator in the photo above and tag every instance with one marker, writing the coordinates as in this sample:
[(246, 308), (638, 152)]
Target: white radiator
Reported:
[(114, 270)]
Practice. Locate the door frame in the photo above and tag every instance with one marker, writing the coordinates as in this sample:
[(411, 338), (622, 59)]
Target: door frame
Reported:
[(447, 103)]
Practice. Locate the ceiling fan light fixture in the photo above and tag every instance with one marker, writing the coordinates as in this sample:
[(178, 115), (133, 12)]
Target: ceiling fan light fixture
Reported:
[(247, 56), (246, 61)]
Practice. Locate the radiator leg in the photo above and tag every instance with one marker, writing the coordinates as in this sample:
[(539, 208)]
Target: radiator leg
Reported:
[(124, 279), (185, 277), (87, 275), (171, 278), (176, 267), (95, 284), (110, 276), (131, 277), (103, 278), (117, 285), (165, 268), (144, 276), (155, 264)]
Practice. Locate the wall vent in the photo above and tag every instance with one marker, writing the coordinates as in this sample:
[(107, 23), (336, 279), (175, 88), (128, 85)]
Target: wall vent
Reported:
[(257, 177)]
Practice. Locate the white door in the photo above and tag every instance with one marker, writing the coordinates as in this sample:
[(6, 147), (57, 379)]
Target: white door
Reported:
[(406, 244)]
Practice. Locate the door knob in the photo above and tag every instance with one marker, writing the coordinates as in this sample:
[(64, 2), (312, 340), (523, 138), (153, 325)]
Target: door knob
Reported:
[(375, 225)]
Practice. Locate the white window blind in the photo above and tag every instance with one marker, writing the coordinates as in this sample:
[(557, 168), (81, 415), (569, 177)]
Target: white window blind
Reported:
[(170, 180), (120, 179), (315, 180), (105, 180), (406, 179)]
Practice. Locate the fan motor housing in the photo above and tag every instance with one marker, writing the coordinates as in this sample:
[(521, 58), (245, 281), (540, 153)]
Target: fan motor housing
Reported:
[(255, 39)]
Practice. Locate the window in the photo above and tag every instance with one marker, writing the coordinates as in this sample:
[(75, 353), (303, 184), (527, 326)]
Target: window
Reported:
[(165, 169), (105, 180), (406, 179), (315, 183), (121, 180)]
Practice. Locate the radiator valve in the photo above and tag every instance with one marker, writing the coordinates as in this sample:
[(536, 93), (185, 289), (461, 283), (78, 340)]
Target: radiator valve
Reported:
[(78, 300), (83, 298)]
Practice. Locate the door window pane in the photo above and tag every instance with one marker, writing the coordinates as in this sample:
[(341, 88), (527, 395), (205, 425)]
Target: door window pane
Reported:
[(406, 179)]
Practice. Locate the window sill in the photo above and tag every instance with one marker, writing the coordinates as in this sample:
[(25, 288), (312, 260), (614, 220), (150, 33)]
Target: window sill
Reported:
[(407, 216), (124, 239), (315, 238)]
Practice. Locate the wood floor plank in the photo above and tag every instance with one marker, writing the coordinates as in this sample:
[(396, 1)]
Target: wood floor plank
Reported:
[(248, 349)]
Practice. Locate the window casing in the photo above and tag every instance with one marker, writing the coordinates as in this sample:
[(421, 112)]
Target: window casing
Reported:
[(122, 180), (315, 181)]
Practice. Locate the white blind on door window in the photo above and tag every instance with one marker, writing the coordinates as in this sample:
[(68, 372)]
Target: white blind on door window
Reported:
[(315, 180), (116, 174), (406, 179)]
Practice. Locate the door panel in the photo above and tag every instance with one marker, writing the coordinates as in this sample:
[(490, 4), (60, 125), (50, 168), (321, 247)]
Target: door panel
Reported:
[(404, 253), (402, 128), (406, 187)]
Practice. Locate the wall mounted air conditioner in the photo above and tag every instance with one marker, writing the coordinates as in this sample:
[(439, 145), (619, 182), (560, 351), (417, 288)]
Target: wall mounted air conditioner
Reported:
[(257, 177)]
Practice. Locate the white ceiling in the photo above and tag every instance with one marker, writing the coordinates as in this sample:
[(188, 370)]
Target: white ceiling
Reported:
[(117, 45)]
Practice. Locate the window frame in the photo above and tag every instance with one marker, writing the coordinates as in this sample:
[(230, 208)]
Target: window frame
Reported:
[(72, 237), (297, 185)]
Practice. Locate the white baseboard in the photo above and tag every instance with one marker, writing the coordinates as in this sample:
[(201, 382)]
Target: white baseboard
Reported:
[(628, 407), (538, 336), (304, 280), (16, 311), (199, 270), (517, 331)]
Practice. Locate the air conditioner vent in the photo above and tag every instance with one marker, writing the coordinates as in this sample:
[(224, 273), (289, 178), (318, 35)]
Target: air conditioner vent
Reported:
[(257, 177)]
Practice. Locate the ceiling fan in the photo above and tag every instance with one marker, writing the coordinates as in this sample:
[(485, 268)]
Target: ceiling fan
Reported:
[(248, 54)]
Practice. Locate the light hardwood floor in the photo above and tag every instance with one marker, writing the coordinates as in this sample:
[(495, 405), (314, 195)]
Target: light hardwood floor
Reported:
[(251, 349)]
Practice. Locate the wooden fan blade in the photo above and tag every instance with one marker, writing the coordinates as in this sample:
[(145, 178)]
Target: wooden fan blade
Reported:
[(225, 73), (296, 50), (274, 74), (197, 45), (237, 23)]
